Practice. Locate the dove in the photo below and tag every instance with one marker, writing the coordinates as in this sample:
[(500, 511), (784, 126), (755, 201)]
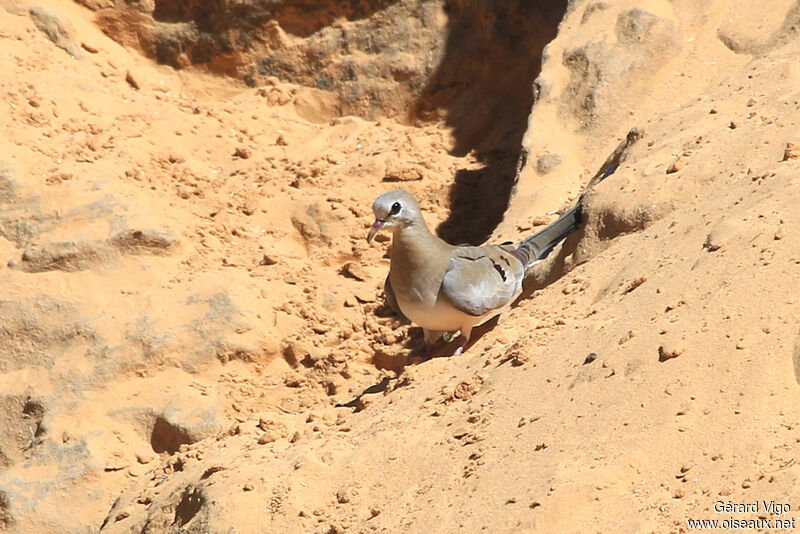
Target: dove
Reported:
[(447, 288)]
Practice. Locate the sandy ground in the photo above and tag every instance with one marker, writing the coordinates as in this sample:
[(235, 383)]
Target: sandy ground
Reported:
[(192, 329)]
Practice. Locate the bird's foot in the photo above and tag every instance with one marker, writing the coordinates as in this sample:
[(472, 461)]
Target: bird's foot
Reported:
[(462, 342)]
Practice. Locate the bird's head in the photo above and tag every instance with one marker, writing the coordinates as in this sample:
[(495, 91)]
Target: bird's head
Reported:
[(394, 210)]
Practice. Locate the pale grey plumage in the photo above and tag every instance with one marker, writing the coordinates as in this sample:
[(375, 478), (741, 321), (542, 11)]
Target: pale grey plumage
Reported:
[(445, 288)]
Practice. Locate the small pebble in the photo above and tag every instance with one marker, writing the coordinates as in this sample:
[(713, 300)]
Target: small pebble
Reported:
[(343, 496), (668, 352), (131, 80), (266, 437), (677, 165), (792, 151), (242, 153)]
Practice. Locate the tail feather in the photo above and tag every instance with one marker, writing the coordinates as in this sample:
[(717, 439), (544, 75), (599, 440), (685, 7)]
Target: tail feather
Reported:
[(538, 246), (543, 242)]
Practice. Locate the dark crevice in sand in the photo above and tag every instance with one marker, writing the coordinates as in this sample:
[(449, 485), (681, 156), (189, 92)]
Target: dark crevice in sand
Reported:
[(485, 85)]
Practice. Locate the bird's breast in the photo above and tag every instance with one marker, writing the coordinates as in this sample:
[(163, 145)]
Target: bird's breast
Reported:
[(419, 263), (440, 315)]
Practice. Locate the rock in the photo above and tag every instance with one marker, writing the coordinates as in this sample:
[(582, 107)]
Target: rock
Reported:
[(460, 432), (364, 295), (318, 46), (122, 515), (267, 437), (242, 153), (35, 332), (344, 495), (55, 29), (151, 241), (792, 151), (727, 232), (354, 270), (116, 462), (21, 428), (635, 25), (132, 81), (403, 173), (8, 185), (250, 206), (144, 458), (669, 351), (299, 352), (677, 165), (547, 162), (137, 470), (267, 260), (81, 255), (182, 424), (67, 256)]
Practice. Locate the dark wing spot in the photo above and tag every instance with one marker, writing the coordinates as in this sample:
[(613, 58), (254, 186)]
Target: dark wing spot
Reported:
[(499, 270), (468, 258)]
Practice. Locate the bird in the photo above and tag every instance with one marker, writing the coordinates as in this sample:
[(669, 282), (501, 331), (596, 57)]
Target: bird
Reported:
[(448, 288)]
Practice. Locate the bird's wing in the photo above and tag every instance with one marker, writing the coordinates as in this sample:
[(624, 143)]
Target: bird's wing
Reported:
[(390, 299), (481, 279)]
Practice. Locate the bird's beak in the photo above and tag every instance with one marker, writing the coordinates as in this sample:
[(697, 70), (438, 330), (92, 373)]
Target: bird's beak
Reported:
[(376, 227)]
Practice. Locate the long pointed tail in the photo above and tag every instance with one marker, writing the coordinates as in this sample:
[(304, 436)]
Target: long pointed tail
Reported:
[(543, 242)]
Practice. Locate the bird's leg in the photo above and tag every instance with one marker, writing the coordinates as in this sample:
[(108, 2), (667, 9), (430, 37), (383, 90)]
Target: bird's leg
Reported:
[(431, 337), (462, 340)]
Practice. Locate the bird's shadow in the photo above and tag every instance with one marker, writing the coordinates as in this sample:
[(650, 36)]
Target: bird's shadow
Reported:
[(419, 352), (446, 349), (357, 404)]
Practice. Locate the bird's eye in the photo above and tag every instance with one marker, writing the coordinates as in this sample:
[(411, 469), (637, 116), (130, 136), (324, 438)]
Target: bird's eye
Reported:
[(395, 209)]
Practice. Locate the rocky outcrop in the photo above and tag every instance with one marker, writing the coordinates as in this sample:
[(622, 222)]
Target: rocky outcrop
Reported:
[(379, 57), (470, 64), (615, 66)]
